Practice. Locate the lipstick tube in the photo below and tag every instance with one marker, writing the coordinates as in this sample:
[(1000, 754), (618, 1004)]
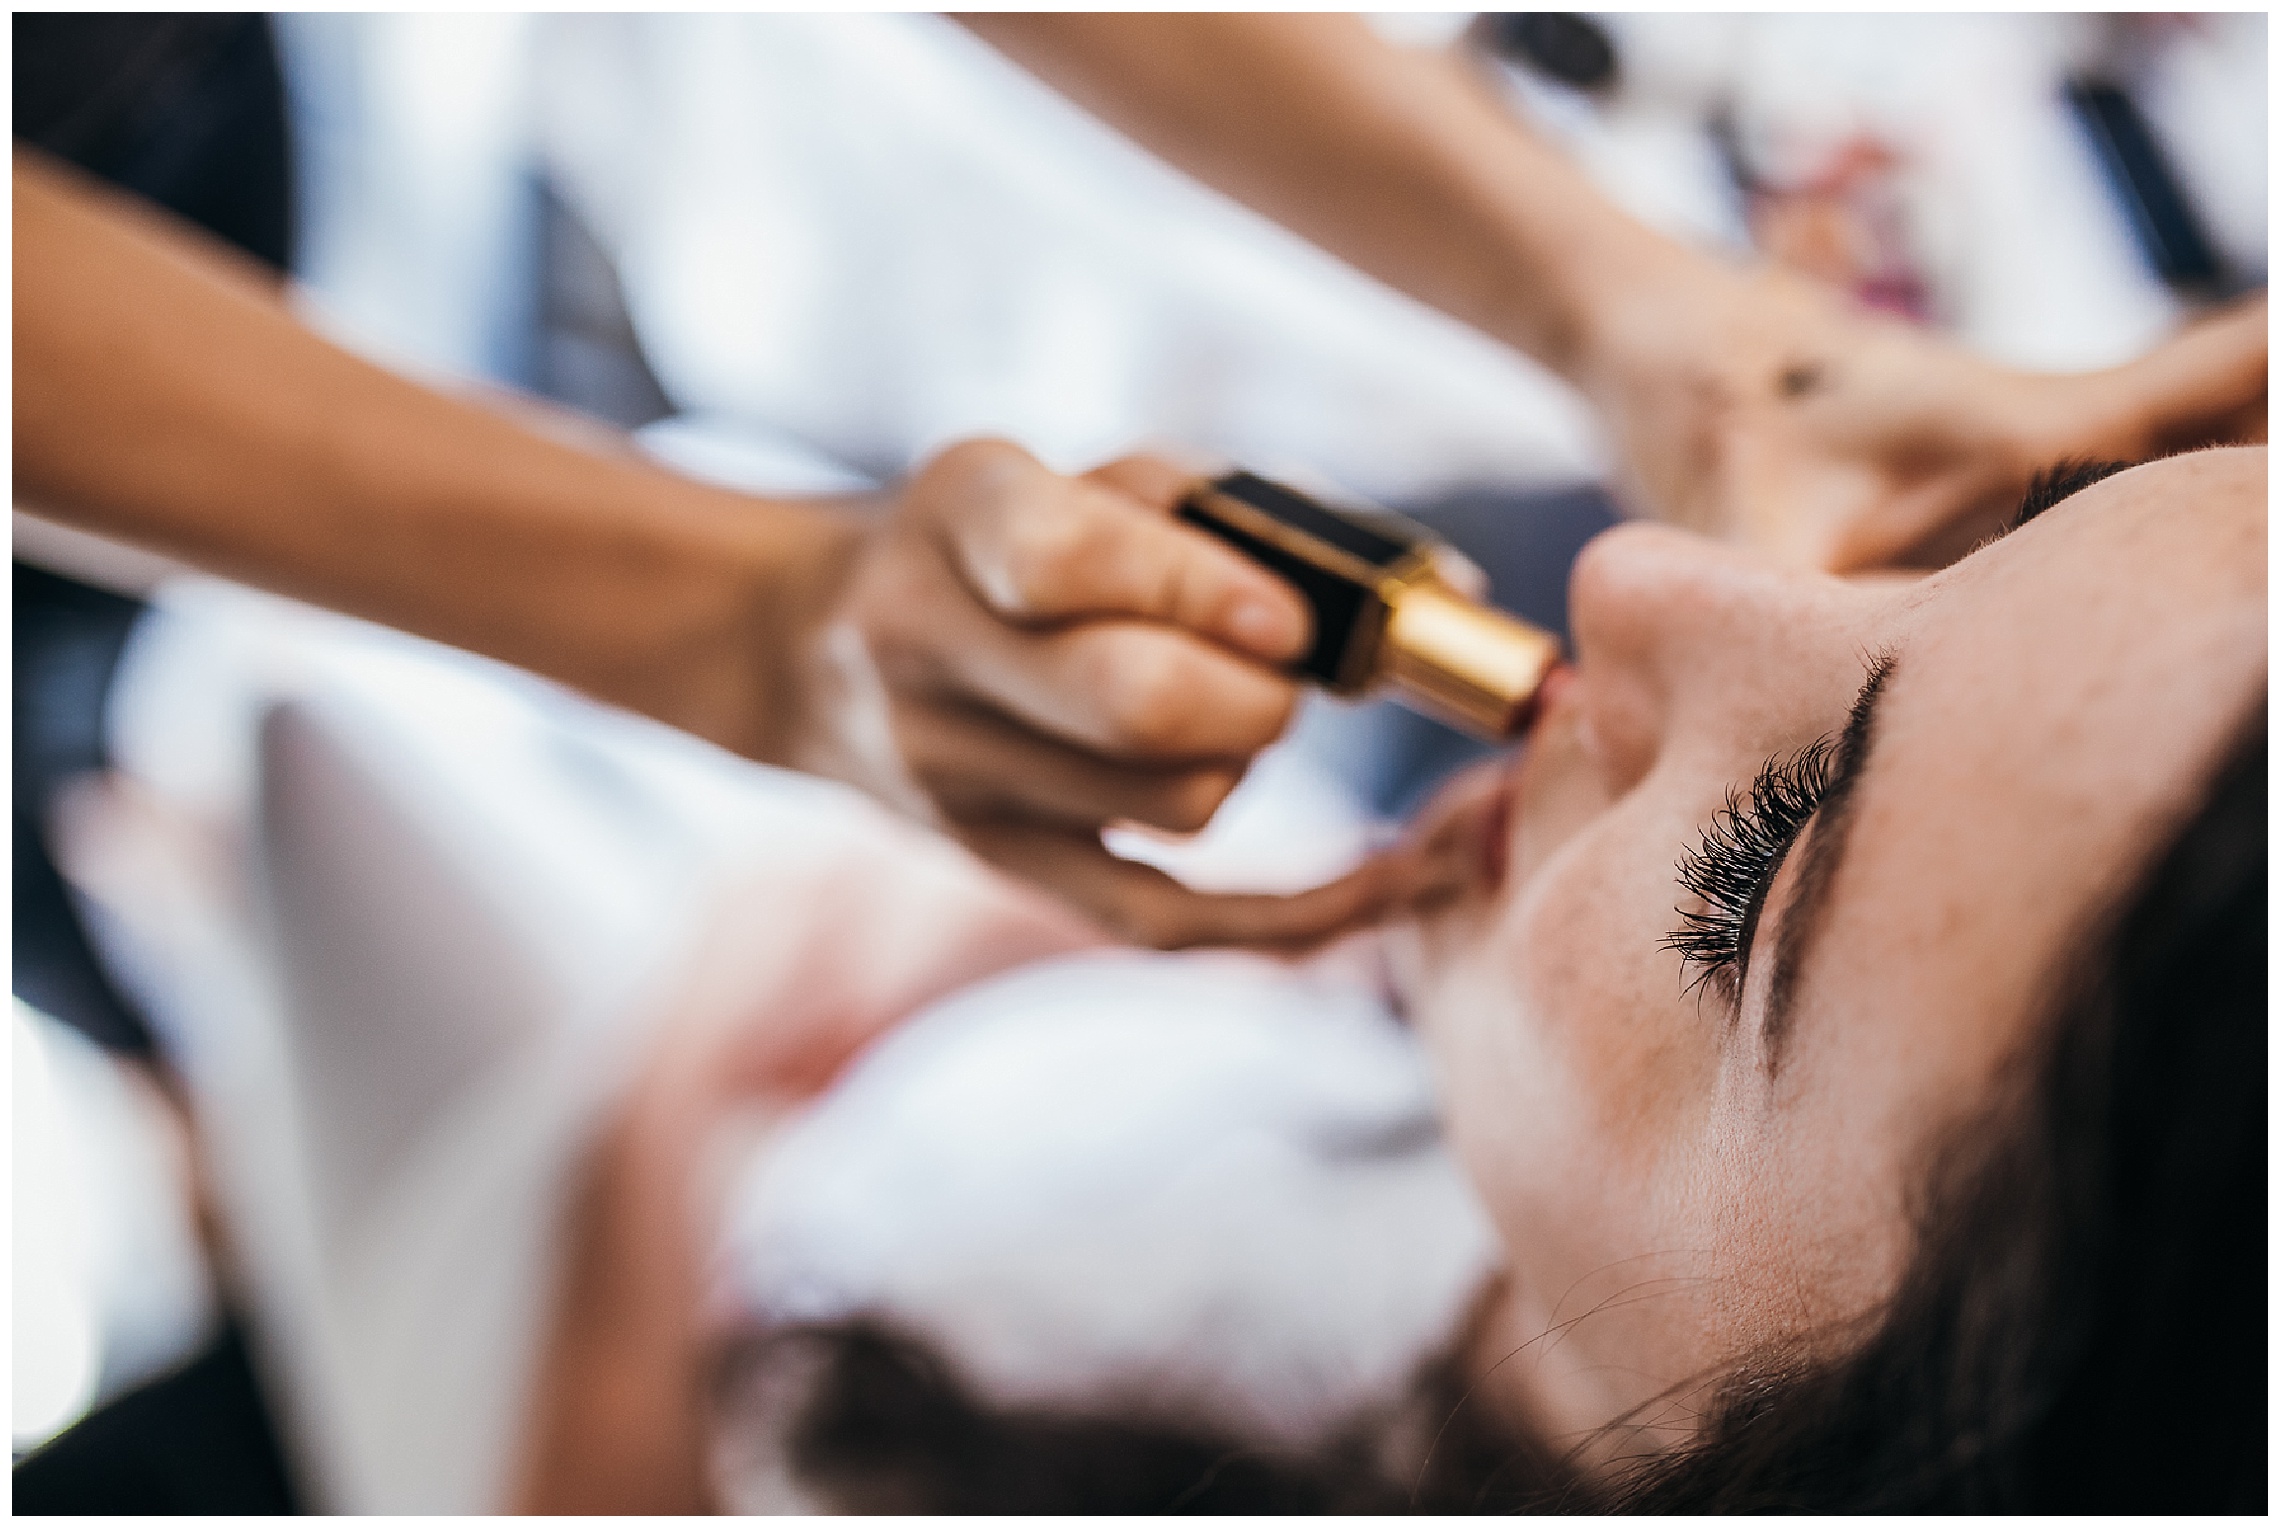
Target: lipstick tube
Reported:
[(1384, 614)]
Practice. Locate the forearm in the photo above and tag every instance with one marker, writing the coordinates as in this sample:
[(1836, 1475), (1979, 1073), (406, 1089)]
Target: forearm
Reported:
[(1398, 162), (165, 395)]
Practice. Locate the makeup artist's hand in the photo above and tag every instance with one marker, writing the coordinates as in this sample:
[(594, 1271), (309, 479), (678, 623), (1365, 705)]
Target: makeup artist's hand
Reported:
[(1022, 658), (1761, 407)]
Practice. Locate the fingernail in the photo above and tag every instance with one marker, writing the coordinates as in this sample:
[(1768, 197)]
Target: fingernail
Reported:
[(1265, 628)]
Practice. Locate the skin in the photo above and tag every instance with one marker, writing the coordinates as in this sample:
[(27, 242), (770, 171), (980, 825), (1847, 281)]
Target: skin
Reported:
[(1743, 401), (1012, 655), (1670, 1200), (801, 967), (1667, 1204), (830, 945)]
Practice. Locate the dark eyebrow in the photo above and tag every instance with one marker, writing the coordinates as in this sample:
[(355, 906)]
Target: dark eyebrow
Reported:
[(1824, 851)]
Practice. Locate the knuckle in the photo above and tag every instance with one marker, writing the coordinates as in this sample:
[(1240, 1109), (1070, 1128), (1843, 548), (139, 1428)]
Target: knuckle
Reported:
[(1186, 588), (1045, 555), (977, 463), (1153, 480), (963, 493)]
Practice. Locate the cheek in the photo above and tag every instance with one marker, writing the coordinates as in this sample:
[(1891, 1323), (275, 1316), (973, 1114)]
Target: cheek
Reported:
[(1802, 1203), (1576, 1072)]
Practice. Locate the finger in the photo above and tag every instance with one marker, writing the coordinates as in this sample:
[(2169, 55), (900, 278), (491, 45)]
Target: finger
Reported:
[(1124, 690), (1461, 809), (1155, 482), (1039, 548), (1460, 572), (977, 765), (1141, 904), (1136, 693), (1456, 838), (1931, 524), (2208, 385)]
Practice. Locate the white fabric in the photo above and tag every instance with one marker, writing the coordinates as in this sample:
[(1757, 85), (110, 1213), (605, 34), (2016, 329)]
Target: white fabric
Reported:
[(1207, 1184), (870, 232), (877, 234), (392, 909), (401, 914)]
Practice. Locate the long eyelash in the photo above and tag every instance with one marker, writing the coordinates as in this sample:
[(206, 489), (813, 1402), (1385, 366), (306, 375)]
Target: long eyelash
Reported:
[(1730, 869)]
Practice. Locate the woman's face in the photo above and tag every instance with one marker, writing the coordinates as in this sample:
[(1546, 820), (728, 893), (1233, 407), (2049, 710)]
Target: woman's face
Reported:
[(1688, 1158)]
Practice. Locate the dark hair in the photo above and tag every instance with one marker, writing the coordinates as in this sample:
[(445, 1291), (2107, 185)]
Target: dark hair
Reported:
[(2081, 1326), (880, 1423)]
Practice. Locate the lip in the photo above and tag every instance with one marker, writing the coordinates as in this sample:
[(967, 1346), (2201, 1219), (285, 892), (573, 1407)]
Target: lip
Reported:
[(1498, 820), (1496, 831), (1551, 692)]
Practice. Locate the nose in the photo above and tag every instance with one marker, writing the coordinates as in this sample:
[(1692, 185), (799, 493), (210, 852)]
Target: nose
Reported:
[(1664, 621)]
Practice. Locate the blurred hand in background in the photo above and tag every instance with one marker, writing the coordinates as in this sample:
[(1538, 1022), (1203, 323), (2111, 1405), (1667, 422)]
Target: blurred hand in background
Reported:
[(1742, 401), (1763, 408), (1019, 657)]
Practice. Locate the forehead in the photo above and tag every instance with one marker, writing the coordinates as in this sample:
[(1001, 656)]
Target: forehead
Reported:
[(2056, 700)]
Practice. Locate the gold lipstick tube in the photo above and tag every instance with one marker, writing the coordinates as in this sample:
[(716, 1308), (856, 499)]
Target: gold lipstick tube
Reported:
[(1384, 614)]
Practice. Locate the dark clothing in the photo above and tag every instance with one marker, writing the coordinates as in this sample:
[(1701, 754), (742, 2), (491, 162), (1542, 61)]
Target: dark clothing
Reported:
[(194, 1441), (188, 111)]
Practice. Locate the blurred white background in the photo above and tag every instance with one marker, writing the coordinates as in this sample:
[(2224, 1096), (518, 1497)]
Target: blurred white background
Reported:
[(871, 234), (805, 251)]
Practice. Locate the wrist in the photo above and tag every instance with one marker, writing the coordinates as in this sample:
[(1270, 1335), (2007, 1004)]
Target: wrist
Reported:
[(2090, 416), (718, 599), (765, 585), (2204, 385), (1633, 304)]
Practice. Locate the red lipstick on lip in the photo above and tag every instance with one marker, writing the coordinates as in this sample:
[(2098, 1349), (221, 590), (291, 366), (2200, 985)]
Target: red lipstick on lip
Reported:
[(1496, 834), (1555, 686)]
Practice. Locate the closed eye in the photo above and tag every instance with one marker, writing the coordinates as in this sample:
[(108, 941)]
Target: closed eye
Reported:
[(1729, 872)]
